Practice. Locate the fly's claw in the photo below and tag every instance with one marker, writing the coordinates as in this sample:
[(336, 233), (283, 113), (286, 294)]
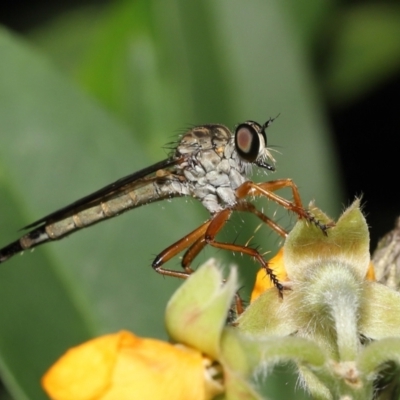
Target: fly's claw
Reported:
[(274, 279), (237, 308), (324, 227)]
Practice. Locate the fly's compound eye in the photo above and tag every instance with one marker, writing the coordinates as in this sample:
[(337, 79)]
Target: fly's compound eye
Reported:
[(247, 142)]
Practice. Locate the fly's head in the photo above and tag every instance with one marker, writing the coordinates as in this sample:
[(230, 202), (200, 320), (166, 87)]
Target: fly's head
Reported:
[(251, 144)]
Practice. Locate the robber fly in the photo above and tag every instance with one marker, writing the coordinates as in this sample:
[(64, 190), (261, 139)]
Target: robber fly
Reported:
[(209, 163)]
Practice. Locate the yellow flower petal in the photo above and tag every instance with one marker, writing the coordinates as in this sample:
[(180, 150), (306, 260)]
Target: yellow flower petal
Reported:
[(370, 273), (123, 366), (83, 372)]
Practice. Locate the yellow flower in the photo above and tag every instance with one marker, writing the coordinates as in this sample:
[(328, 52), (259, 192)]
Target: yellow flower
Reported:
[(122, 366)]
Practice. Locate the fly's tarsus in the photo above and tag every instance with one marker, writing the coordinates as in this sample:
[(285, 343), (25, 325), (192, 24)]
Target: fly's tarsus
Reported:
[(323, 227)]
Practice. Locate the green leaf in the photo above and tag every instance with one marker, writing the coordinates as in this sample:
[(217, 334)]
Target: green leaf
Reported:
[(58, 146), (197, 311), (30, 336)]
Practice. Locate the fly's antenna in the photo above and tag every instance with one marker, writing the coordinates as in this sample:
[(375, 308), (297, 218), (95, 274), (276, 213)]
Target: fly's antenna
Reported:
[(268, 123)]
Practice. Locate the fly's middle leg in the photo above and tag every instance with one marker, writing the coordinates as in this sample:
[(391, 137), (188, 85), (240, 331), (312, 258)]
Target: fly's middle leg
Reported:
[(216, 225)]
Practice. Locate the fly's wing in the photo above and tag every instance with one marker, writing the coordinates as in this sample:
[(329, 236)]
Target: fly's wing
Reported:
[(103, 192), (64, 221)]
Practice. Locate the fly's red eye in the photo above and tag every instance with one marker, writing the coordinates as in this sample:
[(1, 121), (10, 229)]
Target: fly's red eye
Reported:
[(247, 142)]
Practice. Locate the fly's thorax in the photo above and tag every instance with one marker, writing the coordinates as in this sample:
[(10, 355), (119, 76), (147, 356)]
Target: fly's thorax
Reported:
[(202, 138), (212, 167)]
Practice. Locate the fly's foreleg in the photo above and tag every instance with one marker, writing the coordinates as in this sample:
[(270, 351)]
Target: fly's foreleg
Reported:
[(267, 190)]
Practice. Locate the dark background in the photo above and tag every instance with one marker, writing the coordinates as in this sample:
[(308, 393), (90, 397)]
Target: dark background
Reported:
[(367, 134)]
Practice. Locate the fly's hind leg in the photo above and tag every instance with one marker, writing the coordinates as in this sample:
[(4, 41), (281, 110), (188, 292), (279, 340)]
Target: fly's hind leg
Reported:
[(189, 240), (194, 242), (216, 223)]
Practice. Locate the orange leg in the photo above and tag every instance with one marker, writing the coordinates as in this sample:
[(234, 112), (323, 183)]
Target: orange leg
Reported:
[(216, 225), (192, 252), (246, 206), (195, 241), (217, 222), (267, 189), (187, 241)]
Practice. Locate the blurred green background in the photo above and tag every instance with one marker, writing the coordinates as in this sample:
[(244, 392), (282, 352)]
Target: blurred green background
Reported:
[(92, 91)]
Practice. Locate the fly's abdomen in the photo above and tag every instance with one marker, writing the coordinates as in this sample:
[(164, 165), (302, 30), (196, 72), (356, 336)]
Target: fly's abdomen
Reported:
[(114, 204), (28, 241), (91, 215)]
